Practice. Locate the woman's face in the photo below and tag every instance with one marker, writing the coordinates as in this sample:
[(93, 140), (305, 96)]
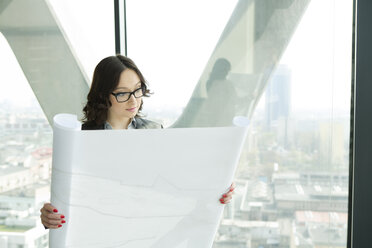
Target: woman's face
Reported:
[(128, 82)]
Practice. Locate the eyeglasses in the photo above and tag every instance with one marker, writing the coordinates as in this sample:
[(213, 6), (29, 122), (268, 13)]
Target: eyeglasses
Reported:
[(124, 96)]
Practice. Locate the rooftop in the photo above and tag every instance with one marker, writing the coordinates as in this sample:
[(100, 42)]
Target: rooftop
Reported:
[(27, 191), (6, 170)]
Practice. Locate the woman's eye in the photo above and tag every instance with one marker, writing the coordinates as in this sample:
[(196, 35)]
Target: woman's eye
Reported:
[(121, 94)]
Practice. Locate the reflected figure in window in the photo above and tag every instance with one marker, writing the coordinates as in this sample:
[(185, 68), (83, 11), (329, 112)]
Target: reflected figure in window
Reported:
[(115, 101), (222, 97)]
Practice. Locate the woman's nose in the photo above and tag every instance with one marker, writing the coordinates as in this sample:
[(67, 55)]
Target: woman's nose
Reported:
[(131, 98)]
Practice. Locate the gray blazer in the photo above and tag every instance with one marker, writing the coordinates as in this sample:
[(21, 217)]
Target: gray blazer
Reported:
[(140, 124)]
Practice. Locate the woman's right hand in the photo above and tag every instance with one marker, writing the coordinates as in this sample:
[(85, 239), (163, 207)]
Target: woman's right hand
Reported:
[(50, 218)]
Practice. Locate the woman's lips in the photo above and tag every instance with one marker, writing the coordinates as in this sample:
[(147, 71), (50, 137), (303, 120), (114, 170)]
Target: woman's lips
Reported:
[(132, 109)]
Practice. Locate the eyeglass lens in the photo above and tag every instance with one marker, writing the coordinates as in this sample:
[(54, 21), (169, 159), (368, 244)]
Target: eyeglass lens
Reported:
[(123, 97)]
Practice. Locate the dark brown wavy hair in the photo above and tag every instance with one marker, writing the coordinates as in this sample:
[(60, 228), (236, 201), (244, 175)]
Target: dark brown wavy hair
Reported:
[(105, 79)]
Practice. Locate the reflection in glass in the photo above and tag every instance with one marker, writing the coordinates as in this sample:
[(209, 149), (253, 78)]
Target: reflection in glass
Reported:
[(252, 42), (285, 65)]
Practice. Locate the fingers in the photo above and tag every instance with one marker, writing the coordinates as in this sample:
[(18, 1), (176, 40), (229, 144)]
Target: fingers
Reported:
[(50, 215), (50, 223), (49, 207), (50, 218), (226, 198), (232, 187)]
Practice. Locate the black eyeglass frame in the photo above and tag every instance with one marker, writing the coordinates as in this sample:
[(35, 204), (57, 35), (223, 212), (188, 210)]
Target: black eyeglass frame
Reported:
[(130, 94)]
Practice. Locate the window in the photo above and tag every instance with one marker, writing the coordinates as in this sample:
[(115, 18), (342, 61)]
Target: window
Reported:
[(284, 64)]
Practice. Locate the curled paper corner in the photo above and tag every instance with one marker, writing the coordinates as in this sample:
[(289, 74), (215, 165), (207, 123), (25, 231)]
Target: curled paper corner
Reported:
[(241, 121), (67, 121)]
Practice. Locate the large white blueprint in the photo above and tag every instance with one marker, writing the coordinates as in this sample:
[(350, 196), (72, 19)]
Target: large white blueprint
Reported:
[(141, 188)]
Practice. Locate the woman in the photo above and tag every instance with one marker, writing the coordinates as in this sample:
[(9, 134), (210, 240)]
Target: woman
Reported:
[(114, 102)]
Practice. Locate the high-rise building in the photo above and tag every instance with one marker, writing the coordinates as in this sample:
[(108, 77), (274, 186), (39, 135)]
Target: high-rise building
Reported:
[(278, 96), (278, 103)]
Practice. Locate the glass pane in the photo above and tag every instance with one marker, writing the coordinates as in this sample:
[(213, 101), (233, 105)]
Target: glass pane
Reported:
[(172, 49), (25, 156), (286, 65), (90, 28), (48, 53)]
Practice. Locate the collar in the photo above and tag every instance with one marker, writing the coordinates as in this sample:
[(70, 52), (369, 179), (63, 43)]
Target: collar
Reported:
[(132, 124)]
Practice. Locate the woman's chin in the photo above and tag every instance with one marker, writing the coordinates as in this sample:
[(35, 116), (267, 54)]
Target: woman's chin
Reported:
[(131, 114)]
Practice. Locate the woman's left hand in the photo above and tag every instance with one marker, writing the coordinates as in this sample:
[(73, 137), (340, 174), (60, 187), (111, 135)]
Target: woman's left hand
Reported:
[(227, 196)]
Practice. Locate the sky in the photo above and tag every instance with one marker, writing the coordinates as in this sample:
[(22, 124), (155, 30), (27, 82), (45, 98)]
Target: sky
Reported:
[(13, 84), (319, 53)]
